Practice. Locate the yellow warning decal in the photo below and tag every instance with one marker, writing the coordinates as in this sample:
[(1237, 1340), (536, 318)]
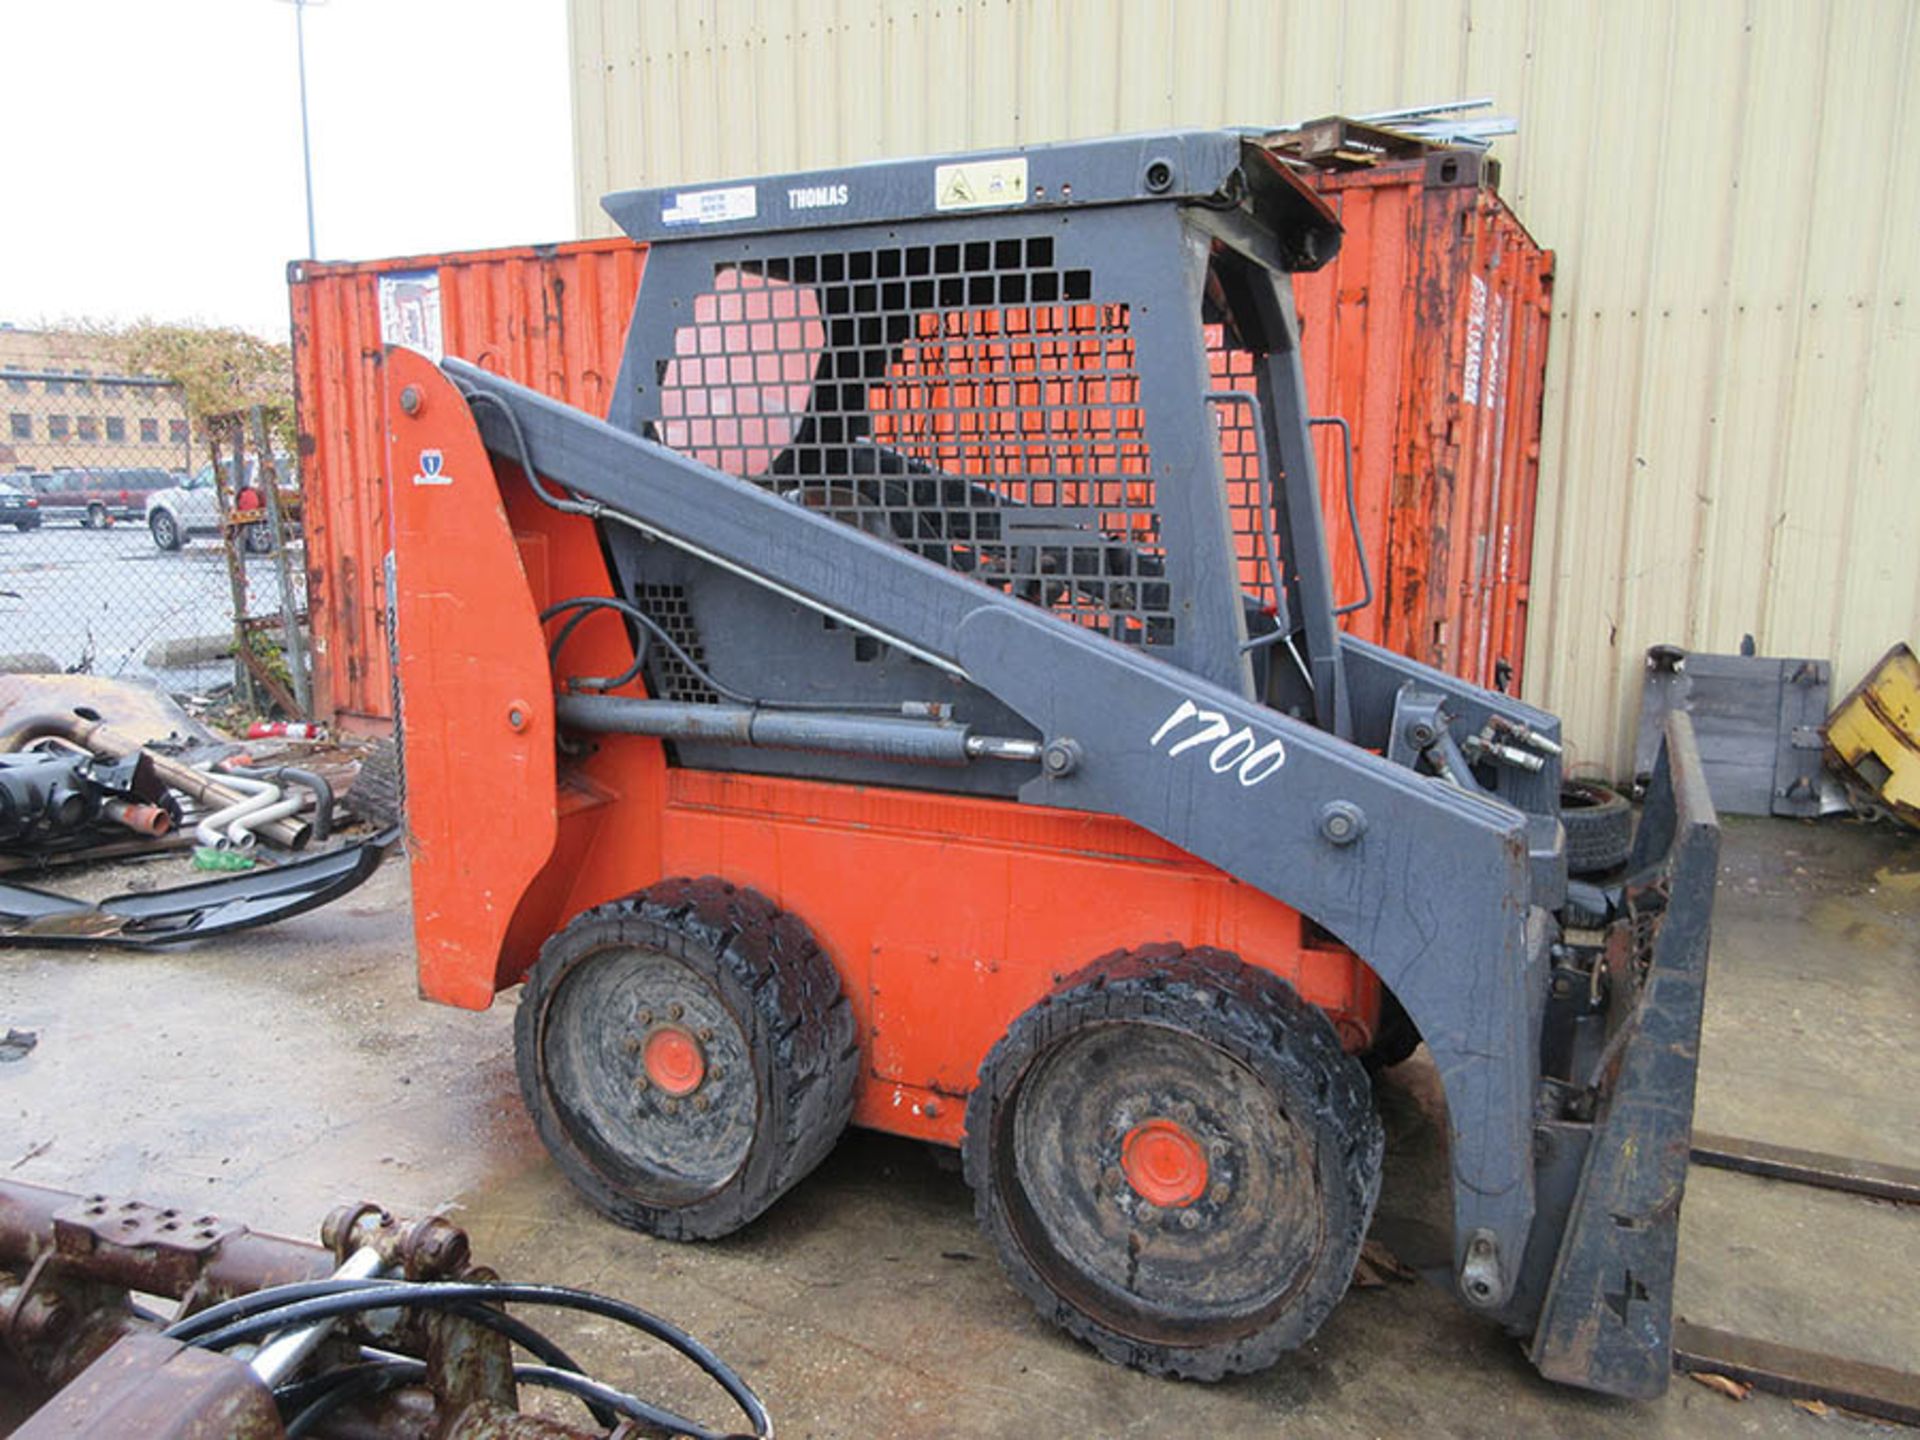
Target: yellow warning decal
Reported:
[(980, 184)]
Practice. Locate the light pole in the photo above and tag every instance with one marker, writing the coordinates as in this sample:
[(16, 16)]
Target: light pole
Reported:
[(306, 143)]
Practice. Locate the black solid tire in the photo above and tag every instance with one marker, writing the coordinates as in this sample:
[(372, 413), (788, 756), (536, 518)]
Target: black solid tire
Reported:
[(1599, 823), (96, 518), (165, 530), (758, 962), (258, 539), (1250, 1024)]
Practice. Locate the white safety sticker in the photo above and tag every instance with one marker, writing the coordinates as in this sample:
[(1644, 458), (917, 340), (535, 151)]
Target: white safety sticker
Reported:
[(980, 184), (711, 207), (410, 311), (430, 472)]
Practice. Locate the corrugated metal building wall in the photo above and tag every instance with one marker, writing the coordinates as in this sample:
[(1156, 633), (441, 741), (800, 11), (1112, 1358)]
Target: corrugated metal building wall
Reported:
[(1732, 429)]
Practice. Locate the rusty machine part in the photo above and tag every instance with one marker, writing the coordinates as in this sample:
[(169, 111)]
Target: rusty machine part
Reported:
[(385, 1330)]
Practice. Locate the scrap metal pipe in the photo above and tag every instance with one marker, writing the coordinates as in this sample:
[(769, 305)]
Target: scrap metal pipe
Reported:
[(257, 796), (147, 819), (883, 737), (102, 739)]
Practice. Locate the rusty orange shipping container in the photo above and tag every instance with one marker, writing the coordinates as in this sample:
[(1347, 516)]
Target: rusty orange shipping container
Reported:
[(1427, 335), (554, 316)]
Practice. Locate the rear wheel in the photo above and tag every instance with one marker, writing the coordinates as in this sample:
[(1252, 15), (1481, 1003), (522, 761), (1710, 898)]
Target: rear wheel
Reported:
[(259, 540), (166, 531), (687, 1056), (1176, 1162), (97, 517)]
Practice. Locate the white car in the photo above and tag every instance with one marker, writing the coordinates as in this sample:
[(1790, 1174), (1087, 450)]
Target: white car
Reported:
[(192, 508)]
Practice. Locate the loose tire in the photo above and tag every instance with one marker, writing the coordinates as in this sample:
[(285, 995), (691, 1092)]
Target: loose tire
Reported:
[(1599, 824), (1176, 1162), (378, 792), (687, 1056), (166, 532)]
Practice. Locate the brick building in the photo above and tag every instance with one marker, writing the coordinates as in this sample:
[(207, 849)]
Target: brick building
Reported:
[(66, 406)]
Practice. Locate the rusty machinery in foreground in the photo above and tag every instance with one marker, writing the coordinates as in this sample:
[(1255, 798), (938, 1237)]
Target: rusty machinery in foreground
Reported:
[(384, 1331), (922, 701)]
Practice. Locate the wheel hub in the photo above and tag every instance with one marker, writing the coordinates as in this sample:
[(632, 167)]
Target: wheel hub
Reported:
[(673, 1060), (1164, 1164)]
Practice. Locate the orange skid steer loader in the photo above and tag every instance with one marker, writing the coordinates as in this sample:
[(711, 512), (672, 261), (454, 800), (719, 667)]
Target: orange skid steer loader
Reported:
[(921, 702)]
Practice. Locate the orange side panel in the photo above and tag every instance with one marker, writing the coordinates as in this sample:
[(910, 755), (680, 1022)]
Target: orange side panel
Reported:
[(479, 708)]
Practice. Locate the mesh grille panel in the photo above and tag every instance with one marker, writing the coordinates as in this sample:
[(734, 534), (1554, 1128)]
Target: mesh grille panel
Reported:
[(973, 402), (1232, 368), (667, 605)]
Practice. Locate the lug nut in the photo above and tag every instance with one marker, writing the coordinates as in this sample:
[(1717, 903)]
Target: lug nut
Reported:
[(1147, 1214), (676, 1010), (1111, 1177), (706, 1034), (1218, 1193), (645, 1017), (670, 1105), (700, 1102), (1189, 1219)]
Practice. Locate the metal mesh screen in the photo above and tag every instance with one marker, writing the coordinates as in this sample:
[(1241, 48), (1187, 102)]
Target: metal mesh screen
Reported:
[(975, 402), (117, 557), (1231, 368), (675, 679)]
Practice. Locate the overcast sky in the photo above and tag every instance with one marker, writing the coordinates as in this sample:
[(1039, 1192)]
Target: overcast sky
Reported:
[(152, 147)]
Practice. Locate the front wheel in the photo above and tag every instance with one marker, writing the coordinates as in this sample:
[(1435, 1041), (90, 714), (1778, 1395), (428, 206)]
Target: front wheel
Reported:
[(166, 531), (687, 1056), (1176, 1162)]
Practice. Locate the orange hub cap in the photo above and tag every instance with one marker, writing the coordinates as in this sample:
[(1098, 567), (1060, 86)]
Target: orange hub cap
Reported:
[(1164, 1164), (673, 1060)]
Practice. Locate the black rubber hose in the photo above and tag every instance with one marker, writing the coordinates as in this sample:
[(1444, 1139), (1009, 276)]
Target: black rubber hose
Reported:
[(358, 1383), (297, 1394), (262, 1301), (268, 1311), (362, 1381), (589, 605)]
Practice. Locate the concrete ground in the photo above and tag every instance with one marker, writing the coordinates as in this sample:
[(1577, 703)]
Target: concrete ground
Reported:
[(270, 1077)]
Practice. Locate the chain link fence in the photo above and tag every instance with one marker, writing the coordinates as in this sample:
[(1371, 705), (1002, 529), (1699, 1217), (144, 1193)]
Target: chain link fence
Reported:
[(136, 545)]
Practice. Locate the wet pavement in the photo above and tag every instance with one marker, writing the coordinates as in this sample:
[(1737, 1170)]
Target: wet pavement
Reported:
[(270, 1077)]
